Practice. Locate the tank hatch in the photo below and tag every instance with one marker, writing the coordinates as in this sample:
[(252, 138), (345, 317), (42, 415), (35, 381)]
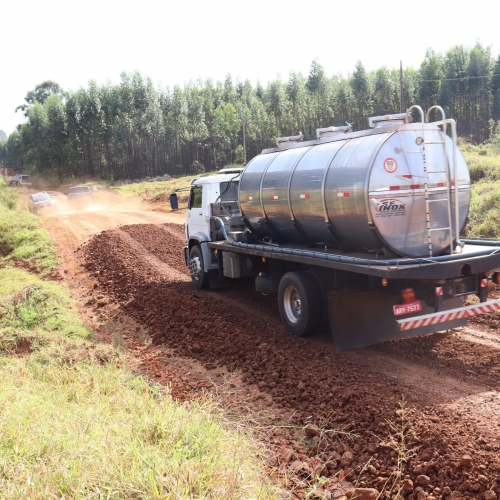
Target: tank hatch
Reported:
[(385, 120), (283, 141), (333, 131)]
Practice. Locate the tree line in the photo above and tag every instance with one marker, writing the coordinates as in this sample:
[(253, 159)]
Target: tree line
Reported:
[(133, 129)]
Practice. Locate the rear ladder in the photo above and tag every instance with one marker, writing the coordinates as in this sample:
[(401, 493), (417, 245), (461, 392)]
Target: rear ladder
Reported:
[(447, 184)]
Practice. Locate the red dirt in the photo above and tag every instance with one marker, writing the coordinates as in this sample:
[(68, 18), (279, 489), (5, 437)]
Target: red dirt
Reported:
[(448, 381)]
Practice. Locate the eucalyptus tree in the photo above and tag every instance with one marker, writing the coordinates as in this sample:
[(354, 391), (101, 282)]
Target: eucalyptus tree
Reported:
[(453, 93), (225, 128), (57, 134), (177, 124), (362, 96), (317, 84), (94, 129), (431, 75), (479, 72), (276, 102), (495, 89), (385, 92), (229, 92), (13, 153), (134, 129), (411, 87), (296, 91), (33, 139), (261, 128), (344, 109), (197, 128), (152, 128)]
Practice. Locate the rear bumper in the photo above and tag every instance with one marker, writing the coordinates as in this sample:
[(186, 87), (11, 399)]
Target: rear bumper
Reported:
[(449, 315)]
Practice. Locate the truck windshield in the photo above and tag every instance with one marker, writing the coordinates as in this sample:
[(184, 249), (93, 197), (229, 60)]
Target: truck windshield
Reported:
[(229, 191), (40, 197)]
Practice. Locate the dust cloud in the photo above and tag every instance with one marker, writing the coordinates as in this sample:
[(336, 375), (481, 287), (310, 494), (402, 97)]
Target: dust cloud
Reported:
[(103, 201)]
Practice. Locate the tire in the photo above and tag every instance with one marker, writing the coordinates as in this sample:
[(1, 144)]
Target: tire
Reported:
[(300, 303), (199, 277)]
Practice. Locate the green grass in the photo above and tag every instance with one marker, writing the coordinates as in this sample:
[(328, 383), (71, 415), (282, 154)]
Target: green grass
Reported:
[(149, 189), (484, 212), (483, 161), (21, 235), (76, 423), (153, 190)]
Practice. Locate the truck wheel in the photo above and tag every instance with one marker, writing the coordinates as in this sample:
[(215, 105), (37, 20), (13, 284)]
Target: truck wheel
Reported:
[(300, 303), (199, 277)]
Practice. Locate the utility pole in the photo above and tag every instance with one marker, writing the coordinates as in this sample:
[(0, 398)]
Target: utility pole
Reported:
[(400, 86)]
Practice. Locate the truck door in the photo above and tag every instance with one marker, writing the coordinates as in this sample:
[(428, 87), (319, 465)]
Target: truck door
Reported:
[(197, 216)]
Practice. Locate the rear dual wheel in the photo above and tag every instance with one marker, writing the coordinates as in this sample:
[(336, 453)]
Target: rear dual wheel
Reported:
[(300, 303)]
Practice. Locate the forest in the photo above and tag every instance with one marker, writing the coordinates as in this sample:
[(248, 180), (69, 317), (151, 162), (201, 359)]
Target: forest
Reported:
[(135, 130)]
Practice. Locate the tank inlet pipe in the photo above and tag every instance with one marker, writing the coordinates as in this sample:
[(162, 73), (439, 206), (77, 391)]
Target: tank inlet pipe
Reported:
[(420, 110), (224, 232)]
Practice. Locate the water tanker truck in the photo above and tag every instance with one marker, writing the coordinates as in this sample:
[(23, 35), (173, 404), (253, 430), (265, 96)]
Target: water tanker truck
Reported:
[(14, 178), (356, 230)]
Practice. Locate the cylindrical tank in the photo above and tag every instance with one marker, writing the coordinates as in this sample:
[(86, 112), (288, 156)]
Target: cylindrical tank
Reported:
[(359, 191)]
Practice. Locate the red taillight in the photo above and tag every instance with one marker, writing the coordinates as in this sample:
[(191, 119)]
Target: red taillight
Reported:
[(408, 295)]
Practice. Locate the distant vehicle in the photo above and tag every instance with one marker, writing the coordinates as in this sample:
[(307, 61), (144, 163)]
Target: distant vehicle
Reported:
[(41, 202), (14, 178), (80, 195)]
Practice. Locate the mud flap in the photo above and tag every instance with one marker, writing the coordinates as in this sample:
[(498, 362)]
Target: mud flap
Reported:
[(366, 318)]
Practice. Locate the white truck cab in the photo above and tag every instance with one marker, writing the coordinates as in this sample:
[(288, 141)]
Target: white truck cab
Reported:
[(209, 196)]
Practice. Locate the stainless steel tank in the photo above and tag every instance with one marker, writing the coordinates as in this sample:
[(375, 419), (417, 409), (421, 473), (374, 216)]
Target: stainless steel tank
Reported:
[(387, 190)]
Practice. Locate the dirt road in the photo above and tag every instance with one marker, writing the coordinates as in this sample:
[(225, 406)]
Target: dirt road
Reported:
[(419, 415)]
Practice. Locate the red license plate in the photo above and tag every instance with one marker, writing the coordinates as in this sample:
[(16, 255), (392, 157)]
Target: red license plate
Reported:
[(412, 307)]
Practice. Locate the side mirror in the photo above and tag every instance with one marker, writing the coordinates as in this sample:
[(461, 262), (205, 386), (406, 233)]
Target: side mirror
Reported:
[(174, 202)]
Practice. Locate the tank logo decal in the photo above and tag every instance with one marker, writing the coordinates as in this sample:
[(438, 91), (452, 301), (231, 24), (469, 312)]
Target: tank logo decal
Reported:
[(273, 197), (389, 207), (390, 165), (343, 195), (307, 195)]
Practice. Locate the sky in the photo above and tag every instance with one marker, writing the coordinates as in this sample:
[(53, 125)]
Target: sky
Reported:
[(173, 42)]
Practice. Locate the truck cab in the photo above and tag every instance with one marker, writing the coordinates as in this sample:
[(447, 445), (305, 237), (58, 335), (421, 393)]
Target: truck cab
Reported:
[(210, 196)]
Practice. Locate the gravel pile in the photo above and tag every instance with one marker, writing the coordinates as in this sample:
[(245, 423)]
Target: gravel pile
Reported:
[(352, 428)]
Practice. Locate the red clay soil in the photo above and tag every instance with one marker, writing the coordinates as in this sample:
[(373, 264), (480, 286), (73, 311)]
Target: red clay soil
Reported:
[(444, 443)]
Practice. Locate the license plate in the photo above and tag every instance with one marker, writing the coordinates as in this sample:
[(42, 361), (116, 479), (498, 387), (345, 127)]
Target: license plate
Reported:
[(412, 307)]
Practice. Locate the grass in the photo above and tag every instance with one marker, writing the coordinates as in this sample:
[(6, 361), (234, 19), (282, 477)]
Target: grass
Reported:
[(21, 235), (76, 423), (484, 212), (149, 189), (154, 190)]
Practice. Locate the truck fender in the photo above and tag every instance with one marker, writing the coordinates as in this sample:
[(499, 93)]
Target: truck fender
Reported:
[(202, 240)]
